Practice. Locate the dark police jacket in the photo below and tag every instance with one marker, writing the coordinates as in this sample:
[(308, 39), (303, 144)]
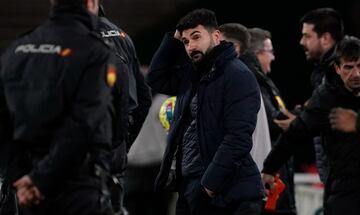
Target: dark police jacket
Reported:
[(121, 96), (228, 102), (139, 92), (55, 100), (342, 188)]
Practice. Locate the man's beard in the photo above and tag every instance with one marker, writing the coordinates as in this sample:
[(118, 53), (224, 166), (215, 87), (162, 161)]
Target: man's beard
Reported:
[(197, 57), (312, 56), (356, 92)]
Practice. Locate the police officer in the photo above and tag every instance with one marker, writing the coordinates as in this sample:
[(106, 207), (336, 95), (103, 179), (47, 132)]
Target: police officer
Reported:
[(132, 100), (55, 97), (139, 92)]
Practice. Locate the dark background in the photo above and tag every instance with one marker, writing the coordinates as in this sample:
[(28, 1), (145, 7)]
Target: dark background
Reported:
[(147, 20)]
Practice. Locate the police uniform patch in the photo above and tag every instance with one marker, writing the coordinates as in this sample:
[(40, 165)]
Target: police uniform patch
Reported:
[(122, 34), (66, 52), (111, 75)]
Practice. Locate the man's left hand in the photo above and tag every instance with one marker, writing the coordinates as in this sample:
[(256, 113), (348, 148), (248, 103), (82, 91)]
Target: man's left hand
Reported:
[(27, 193), (285, 124), (343, 119)]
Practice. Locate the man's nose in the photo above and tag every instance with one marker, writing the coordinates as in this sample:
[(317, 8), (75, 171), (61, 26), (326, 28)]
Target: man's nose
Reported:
[(357, 71), (301, 42), (192, 46)]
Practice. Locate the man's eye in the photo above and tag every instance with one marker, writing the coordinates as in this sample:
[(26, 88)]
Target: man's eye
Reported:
[(347, 67), (195, 37)]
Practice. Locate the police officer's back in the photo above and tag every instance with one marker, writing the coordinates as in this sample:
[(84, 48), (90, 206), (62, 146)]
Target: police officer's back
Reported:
[(55, 87)]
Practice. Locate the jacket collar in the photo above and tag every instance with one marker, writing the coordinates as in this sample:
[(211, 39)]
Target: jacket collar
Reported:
[(328, 57), (216, 58), (254, 65), (68, 13)]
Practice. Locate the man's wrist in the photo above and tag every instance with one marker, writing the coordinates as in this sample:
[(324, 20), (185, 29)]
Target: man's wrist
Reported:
[(268, 172)]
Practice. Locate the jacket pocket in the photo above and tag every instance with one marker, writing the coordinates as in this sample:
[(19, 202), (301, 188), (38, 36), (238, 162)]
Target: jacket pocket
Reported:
[(245, 184)]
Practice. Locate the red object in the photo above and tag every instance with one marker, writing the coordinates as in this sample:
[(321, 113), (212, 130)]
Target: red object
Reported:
[(273, 196)]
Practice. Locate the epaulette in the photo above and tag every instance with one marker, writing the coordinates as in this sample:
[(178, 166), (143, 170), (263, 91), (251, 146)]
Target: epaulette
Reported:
[(25, 33)]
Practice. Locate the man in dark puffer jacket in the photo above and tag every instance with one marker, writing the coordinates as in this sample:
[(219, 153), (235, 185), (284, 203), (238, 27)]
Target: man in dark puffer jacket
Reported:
[(214, 118)]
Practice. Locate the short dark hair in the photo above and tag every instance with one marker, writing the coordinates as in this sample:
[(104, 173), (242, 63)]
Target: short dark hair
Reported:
[(347, 49), (257, 38), (237, 32), (202, 16), (325, 20)]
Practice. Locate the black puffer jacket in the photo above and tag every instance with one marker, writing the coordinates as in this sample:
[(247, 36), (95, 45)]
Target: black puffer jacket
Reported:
[(228, 102), (273, 103), (342, 188)]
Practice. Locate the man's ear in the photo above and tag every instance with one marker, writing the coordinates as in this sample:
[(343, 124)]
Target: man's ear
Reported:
[(89, 4), (337, 68), (326, 39), (217, 36)]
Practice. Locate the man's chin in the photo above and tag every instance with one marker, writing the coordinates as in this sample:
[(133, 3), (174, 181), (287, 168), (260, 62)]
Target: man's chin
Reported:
[(196, 59), (356, 91), (310, 58)]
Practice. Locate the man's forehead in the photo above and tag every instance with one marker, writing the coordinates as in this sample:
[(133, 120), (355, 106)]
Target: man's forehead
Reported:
[(190, 31), (308, 28), (352, 61)]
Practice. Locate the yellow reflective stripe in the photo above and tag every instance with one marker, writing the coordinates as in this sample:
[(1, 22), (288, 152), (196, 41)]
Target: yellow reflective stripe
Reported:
[(280, 102)]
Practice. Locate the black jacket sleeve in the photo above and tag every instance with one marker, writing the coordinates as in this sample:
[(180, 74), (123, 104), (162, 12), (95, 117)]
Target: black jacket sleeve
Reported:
[(87, 125), (168, 66), (310, 122), (121, 118), (5, 129), (143, 94)]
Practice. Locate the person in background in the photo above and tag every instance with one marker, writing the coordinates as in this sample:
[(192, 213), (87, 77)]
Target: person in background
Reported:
[(258, 58), (322, 29), (240, 37), (132, 100), (340, 89), (144, 160), (143, 165)]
